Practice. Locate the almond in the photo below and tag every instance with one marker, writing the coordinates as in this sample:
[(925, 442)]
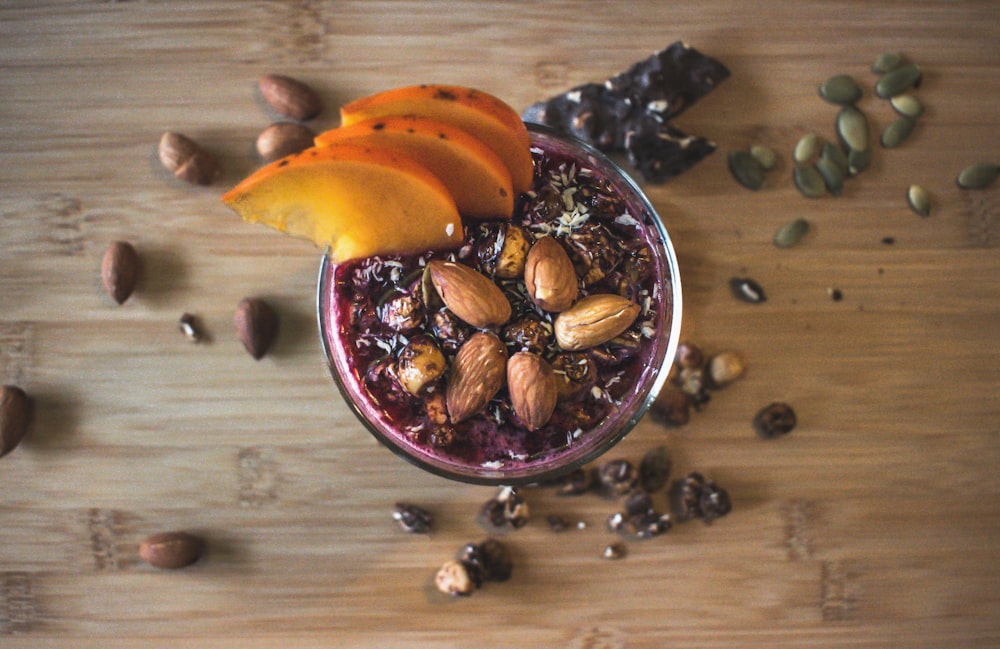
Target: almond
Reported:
[(257, 325), (477, 374), (594, 320), (533, 390), (283, 139), (290, 97), (186, 159), (171, 550), (15, 413), (549, 276), (470, 295), (119, 270)]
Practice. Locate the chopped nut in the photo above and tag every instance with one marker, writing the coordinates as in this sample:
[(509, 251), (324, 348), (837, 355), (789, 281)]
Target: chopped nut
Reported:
[(453, 578), (412, 518)]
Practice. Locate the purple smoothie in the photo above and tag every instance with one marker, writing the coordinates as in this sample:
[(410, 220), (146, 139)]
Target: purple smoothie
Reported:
[(370, 309)]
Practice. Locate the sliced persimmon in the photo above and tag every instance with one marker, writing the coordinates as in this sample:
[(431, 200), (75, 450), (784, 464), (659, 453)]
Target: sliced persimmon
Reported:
[(480, 114), (360, 200), (476, 177)]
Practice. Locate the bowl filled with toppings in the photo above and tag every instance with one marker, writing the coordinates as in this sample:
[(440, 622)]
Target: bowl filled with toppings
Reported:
[(499, 303)]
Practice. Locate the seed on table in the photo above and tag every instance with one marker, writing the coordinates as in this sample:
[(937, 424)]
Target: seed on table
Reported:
[(833, 175), (748, 290), (896, 132), (834, 154), (806, 148), (918, 200), (774, 420), (746, 169), (852, 128), (898, 80), (840, 89), (886, 62), (791, 233), (189, 327), (858, 161), (615, 550), (978, 176), (764, 155), (809, 181), (907, 104)]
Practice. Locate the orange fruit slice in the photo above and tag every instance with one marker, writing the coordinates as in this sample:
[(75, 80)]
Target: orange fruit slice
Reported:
[(477, 179), (478, 113), (359, 200)]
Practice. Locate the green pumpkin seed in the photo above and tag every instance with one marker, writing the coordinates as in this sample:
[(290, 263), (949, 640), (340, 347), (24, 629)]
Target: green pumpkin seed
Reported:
[(897, 81), (746, 170), (896, 132), (764, 155), (907, 105), (809, 181), (836, 155), (806, 148), (918, 199), (886, 62), (840, 89), (858, 161), (852, 128), (978, 176), (791, 233), (832, 174)]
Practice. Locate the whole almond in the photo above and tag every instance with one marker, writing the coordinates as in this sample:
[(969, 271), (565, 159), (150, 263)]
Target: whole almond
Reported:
[(533, 389), (477, 374), (283, 139), (186, 159), (15, 413), (549, 276), (594, 320), (470, 295), (257, 325), (171, 550), (290, 97), (119, 270)]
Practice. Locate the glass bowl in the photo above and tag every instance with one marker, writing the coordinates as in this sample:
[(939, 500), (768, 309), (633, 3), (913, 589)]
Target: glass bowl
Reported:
[(582, 446)]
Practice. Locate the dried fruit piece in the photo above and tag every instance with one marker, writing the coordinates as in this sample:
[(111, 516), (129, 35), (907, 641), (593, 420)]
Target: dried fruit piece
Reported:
[(775, 420), (549, 276), (171, 550), (186, 159), (476, 375), (120, 270), (533, 389), (290, 97), (594, 320), (470, 295), (256, 325), (15, 415), (283, 139), (491, 559)]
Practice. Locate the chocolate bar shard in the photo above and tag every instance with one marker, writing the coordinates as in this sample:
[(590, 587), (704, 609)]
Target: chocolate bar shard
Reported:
[(666, 152)]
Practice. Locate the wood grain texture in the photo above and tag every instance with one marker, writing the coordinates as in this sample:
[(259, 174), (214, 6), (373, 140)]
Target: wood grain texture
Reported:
[(875, 523)]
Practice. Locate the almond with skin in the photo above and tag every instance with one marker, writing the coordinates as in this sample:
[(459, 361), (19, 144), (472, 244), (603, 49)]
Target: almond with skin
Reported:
[(470, 295), (15, 413), (549, 276), (171, 550), (186, 159), (290, 97), (119, 270), (257, 325), (533, 389), (594, 320), (477, 374), (283, 139)]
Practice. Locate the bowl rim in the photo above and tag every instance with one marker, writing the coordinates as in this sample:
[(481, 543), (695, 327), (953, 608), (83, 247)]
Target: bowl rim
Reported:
[(497, 477)]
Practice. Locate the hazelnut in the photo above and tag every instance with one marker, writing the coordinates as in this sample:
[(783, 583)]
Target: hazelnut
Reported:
[(453, 578), (724, 368), (420, 363), (514, 252)]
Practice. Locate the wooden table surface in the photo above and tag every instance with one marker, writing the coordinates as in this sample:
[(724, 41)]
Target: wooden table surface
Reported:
[(875, 523)]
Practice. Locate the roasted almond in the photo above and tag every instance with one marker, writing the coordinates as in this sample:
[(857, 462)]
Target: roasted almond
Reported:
[(186, 159), (477, 374), (533, 389), (171, 550), (283, 139), (257, 325), (549, 276), (594, 320), (15, 413), (119, 270), (469, 294), (290, 97)]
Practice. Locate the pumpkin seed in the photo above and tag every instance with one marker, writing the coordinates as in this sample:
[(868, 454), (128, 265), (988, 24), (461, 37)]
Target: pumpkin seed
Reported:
[(836, 155), (908, 105), (840, 89), (809, 181), (852, 128), (791, 233), (858, 161), (898, 80), (896, 132), (832, 175), (806, 148), (886, 62), (918, 199), (764, 155), (746, 169), (978, 176)]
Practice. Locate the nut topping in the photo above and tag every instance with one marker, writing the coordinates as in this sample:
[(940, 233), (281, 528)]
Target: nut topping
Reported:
[(120, 270), (477, 374), (470, 295), (420, 364), (171, 550), (549, 276), (594, 320), (186, 160), (290, 97), (533, 389)]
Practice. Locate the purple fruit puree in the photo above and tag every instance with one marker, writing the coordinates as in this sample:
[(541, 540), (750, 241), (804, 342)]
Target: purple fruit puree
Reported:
[(370, 309)]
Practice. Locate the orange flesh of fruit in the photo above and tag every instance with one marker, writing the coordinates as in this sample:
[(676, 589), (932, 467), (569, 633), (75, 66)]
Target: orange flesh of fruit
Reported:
[(476, 177)]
